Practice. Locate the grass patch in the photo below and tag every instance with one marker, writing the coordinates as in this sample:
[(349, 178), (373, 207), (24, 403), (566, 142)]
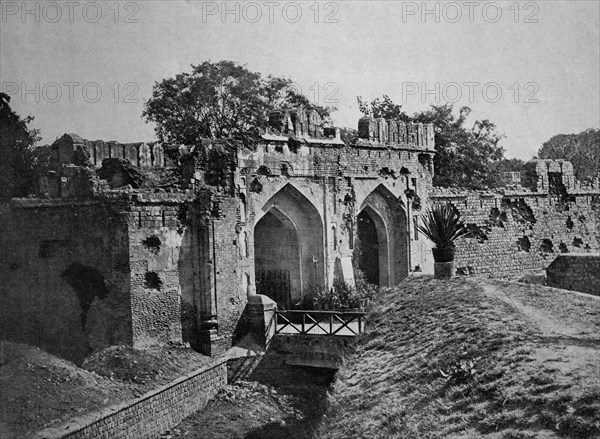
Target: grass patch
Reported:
[(436, 363)]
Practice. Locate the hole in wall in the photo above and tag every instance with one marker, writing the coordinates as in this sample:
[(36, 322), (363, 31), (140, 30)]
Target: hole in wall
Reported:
[(88, 284), (547, 246), (570, 223), (497, 218), (153, 281), (475, 232), (152, 243), (563, 248), (577, 242), (465, 271), (524, 244)]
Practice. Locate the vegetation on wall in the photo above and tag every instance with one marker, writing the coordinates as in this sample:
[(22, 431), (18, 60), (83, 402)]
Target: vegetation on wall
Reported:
[(220, 100)]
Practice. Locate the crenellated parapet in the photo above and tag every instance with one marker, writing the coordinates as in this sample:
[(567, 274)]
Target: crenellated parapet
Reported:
[(548, 176), (395, 134), (72, 149), (299, 124)]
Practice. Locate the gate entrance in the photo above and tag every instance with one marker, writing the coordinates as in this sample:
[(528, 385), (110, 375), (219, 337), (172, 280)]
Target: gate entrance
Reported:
[(277, 258), (368, 247)]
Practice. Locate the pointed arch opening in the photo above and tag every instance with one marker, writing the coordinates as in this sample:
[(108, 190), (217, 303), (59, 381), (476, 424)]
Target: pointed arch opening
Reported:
[(288, 247), (382, 248)]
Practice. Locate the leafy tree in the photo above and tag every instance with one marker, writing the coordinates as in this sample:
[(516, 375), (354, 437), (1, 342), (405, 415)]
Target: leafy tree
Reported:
[(17, 155), (582, 149), (382, 108), (505, 165), (218, 100), (465, 157)]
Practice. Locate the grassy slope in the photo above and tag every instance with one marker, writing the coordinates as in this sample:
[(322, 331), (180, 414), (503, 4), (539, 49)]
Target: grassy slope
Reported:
[(470, 358)]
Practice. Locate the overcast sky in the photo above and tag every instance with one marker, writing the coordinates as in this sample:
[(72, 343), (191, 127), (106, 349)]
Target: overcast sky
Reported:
[(533, 68)]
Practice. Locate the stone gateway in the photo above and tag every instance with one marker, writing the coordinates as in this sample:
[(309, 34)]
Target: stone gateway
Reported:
[(142, 243)]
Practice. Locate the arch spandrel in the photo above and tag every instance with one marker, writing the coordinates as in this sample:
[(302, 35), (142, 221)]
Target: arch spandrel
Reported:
[(283, 191)]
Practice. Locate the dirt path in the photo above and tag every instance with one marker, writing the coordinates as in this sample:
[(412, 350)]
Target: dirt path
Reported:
[(556, 313)]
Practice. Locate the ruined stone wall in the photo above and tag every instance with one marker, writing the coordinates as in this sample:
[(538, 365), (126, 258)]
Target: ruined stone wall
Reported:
[(72, 149), (155, 240), (65, 276), (518, 232), (576, 272), (178, 248), (230, 280)]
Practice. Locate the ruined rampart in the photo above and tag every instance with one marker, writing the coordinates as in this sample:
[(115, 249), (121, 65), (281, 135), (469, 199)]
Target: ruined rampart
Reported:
[(514, 231), (144, 244)]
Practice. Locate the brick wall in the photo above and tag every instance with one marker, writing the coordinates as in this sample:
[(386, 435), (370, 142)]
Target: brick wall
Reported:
[(155, 239), (519, 232), (576, 272), (64, 270), (229, 273), (150, 414)]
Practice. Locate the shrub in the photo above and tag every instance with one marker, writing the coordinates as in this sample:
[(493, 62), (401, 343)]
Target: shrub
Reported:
[(340, 296)]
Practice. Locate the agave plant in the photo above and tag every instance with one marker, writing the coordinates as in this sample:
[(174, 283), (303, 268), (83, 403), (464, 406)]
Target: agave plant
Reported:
[(443, 225)]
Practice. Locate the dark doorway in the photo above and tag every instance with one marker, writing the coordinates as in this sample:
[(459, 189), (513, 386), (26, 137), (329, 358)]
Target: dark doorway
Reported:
[(277, 258), (368, 247)]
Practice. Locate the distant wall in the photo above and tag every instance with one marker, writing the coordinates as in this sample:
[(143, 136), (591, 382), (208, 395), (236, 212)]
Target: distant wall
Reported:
[(72, 149), (577, 272)]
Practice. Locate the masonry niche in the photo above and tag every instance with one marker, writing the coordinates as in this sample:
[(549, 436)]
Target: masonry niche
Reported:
[(288, 247), (382, 246)]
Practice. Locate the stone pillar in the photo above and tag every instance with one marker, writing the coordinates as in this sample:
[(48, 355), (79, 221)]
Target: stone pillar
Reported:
[(211, 343), (260, 318)]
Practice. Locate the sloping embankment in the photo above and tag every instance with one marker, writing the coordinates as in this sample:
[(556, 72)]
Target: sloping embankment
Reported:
[(472, 358)]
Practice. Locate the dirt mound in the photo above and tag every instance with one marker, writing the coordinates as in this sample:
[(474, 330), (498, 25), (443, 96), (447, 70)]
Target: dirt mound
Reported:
[(472, 358), (38, 389), (153, 365)]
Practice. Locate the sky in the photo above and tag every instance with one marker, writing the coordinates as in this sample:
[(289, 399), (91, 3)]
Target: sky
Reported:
[(531, 67)]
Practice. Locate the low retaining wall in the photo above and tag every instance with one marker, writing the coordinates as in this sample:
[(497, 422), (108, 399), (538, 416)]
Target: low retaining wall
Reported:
[(324, 351), (152, 413), (576, 272)]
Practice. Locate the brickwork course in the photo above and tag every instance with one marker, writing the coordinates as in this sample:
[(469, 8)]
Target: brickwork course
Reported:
[(149, 415), (143, 244)]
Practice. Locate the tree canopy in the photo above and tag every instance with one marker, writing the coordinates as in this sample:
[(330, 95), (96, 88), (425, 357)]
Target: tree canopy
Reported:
[(465, 157), (219, 100), (17, 158), (583, 150)]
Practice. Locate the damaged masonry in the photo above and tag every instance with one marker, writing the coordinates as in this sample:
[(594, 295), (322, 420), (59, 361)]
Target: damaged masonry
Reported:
[(142, 244)]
